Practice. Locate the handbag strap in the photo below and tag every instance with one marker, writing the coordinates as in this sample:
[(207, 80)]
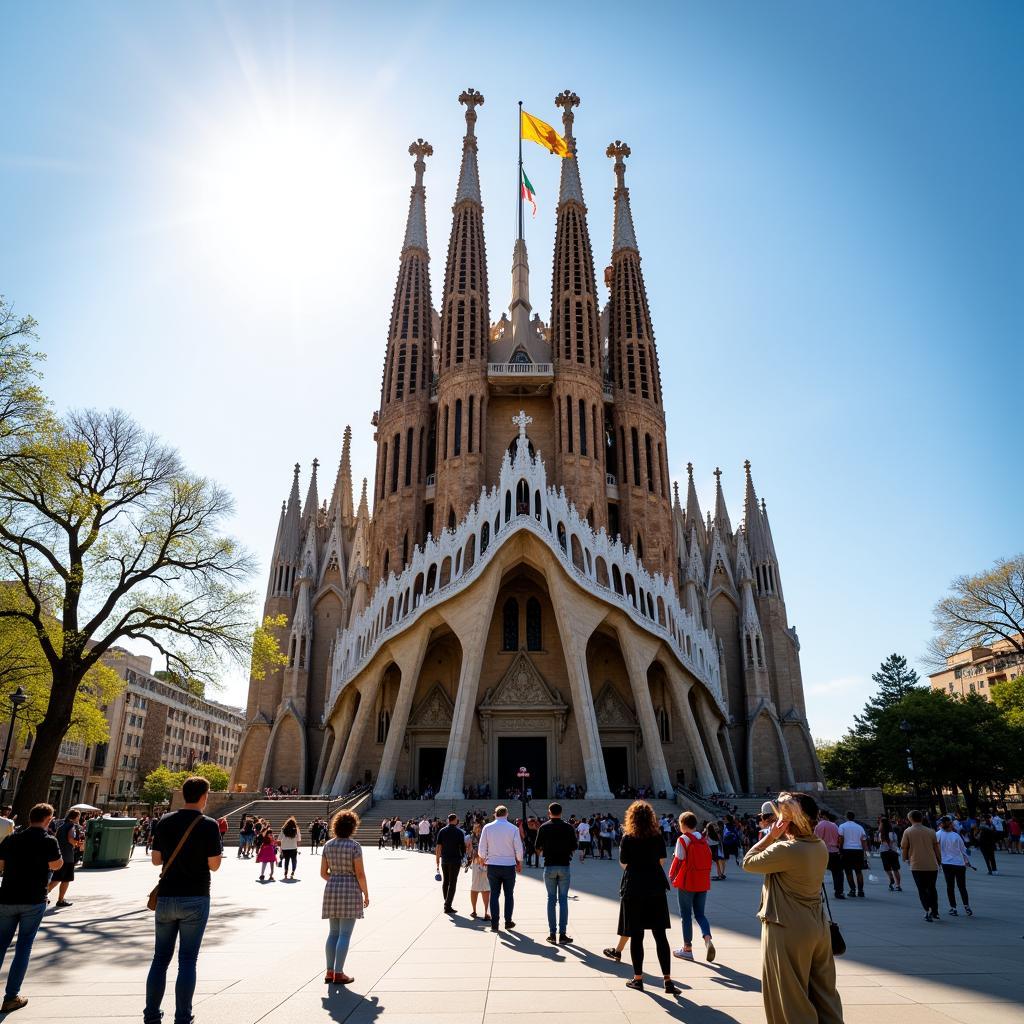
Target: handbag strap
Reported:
[(827, 907), (177, 849)]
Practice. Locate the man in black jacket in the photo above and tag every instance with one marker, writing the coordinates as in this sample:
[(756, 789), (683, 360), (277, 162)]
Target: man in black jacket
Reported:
[(557, 841), (452, 846)]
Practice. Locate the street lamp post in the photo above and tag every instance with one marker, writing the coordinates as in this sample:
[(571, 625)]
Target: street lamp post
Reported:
[(17, 699), (523, 776)]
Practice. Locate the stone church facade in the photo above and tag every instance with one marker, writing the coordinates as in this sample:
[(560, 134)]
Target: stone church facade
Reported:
[(528, 589)]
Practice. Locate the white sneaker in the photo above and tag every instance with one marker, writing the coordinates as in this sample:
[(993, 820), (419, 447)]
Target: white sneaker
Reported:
[(683, 954), (710, 946)]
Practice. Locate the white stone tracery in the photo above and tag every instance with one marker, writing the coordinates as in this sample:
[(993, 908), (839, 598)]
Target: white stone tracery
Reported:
[(447, 564)]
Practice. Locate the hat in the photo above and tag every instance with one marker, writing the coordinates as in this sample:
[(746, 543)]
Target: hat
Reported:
[(767, 807)]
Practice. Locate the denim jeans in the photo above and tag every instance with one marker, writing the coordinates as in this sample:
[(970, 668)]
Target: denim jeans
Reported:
[(24, 917), (556, 881), (338, 938), (180, 919), (501, 876), (692, 903)]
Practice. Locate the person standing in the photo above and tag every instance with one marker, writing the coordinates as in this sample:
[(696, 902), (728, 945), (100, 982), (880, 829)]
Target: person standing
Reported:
[(556, 841), (953, 854), (452, 847), (920, 848), (690, 875), (501, 850), (69, 839), (6, 822), (642, 902), (423, 828), (583, 839), (798, 971), (346, 894), (396, 833), (854, 842), (266, 852), (889, 850), (186, 843), (291, 836), (479, 887), (828, 832), (988, 837), (605, 835), (26, 860)]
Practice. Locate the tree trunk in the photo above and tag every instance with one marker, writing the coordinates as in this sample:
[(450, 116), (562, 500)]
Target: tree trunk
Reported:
[(34, 785)]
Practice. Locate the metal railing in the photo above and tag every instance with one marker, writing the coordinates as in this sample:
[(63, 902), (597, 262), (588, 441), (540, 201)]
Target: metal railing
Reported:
[(520, 369)]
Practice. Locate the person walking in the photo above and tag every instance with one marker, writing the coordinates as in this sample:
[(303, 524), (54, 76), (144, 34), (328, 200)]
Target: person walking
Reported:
[(396, 833), (955, 860), (583, 839), (920, 848), (291, 836), (798, 971), (346, 894), (988, 837), (714, 841), (853, 840), (26, 860), (423, 830), (556, 841), (642, 901), (690, 875), (453, 846), (501, 850), (6, 822), (889, 851), (187, 844), (479, 886), (69, 838), (266, 853), (828, 832)]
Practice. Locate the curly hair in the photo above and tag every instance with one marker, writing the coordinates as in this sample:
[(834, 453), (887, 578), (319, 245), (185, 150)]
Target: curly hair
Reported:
[(640, 821), (344, 823)]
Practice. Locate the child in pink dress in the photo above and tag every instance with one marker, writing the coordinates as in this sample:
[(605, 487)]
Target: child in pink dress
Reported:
[(267, 853)]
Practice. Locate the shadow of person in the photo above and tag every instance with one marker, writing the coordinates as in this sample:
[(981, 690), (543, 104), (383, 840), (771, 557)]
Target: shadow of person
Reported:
[(341, 1003), (524, 944), (730, 978)]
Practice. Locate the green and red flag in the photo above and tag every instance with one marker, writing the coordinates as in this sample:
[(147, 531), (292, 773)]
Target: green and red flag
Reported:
[(528, 192)]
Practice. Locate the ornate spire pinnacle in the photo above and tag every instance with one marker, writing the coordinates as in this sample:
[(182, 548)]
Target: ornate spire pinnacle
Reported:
[(343, 485), (289, 540), (570, 186), (675, 492), (722, 523), (623, 234), (753, 522), (363, 512), (469, 175), (694, 518), (416, 224), (312, 501)]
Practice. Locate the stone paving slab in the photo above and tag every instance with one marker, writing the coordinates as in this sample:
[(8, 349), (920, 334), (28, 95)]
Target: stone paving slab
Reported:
[(262, 958)]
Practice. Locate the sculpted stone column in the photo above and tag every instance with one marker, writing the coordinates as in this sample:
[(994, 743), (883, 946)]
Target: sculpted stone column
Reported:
[(577, 619), (470, 619), (638, 652), (342, 725), (368, 695), (681, 691), (711, 730), (408, 652)]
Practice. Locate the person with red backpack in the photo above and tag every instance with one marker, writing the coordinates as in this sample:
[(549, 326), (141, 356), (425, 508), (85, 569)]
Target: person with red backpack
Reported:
[(690, 875)]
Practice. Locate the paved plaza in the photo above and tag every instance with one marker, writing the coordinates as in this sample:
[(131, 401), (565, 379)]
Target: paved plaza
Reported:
[(262, 959)]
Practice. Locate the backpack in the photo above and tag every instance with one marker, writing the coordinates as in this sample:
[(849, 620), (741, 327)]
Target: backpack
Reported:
[(695, 874)]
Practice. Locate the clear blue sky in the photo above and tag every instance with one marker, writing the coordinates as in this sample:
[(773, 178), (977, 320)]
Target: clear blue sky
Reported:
[(202, 204)]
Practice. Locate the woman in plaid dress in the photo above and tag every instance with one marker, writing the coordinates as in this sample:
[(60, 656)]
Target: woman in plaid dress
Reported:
[(345, 894)]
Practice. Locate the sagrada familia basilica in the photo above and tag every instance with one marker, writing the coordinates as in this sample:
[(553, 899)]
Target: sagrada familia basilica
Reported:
[(528, 589)]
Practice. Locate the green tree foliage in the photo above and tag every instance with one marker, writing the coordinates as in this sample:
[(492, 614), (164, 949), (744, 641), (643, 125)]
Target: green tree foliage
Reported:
[(159, 785), (894, 681), (1008, 696), (213, 773), (104, 529)]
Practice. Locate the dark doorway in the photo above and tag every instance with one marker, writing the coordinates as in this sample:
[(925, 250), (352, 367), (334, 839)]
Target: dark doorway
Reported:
[(530, 752), (431, 767), (616, 764)]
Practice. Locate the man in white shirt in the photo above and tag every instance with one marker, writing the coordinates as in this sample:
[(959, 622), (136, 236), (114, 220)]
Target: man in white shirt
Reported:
[(997, 825), (853, 844), (501, 849), (424, 833), (583, 839)]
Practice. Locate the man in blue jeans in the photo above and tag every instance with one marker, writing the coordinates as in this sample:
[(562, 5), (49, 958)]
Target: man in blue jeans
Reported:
[(501, 849), (183, 904), (557, 841), (26, 860)]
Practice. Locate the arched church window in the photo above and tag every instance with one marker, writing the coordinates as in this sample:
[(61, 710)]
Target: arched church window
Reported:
[(405, 549), (387, 562), (664, 726), (451, 518), (533, 625), (383, 724), (636, 456), (519, 357), (458, 426), (396, 457), (522, 498), (510, 625), (639, 546), (650, 462), (529, 448)]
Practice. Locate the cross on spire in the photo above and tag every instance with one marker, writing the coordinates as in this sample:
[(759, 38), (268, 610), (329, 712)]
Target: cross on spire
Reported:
[(522, 421), (420, 149), (718, 475), (618, 151), (567, 99)]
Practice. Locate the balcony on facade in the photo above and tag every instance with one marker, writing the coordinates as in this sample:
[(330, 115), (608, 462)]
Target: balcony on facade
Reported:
[(520, 378)]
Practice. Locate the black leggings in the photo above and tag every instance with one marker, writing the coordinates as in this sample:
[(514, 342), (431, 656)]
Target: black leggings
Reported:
[(289, 857), (989, 854), (956, 875), (636, 952)]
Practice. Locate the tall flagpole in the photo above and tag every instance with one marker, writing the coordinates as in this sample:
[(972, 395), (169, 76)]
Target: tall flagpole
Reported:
[(519, 183)]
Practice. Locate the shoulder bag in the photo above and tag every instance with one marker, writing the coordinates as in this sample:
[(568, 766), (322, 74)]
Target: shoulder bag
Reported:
[(838, 942), (155, 894)]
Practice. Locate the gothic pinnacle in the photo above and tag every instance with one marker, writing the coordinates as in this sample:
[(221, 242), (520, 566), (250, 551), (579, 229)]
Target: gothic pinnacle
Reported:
[(416, 225), (623, 233), (569, 186), (567, 99), (469, 175)]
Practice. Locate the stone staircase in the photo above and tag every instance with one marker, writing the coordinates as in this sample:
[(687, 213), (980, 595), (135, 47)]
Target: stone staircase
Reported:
[(304, 809)]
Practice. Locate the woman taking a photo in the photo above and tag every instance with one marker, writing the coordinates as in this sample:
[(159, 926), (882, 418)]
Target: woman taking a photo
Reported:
[(798, 972), (643, 905), (345, 895), (290, 839)]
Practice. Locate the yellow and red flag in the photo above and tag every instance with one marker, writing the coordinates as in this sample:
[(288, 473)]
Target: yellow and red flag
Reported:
[(536, 130)]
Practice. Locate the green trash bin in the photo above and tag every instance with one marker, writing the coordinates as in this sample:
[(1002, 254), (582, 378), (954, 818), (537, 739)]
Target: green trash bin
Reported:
[(108, 842)]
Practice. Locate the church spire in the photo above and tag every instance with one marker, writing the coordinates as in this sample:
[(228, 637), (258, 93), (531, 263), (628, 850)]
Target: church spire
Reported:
[(694, 518), (570, 188), (752, 526), (416, 224), (623, 232), (312, 502), (722, 524), (469, 173), (341, 499)]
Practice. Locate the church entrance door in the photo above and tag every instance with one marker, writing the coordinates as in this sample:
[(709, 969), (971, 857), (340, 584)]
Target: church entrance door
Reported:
[(616, 764), (530, 752), (431, 767)]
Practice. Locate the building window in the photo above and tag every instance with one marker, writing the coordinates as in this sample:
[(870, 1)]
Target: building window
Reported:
[(664, 726), (533, 625), (458, 426), (635, 437), (383, 724), (396, 457), (510, 625), (583, 427)]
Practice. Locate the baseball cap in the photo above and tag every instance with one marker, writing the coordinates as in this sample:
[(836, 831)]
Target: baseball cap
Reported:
[(767, 807)]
